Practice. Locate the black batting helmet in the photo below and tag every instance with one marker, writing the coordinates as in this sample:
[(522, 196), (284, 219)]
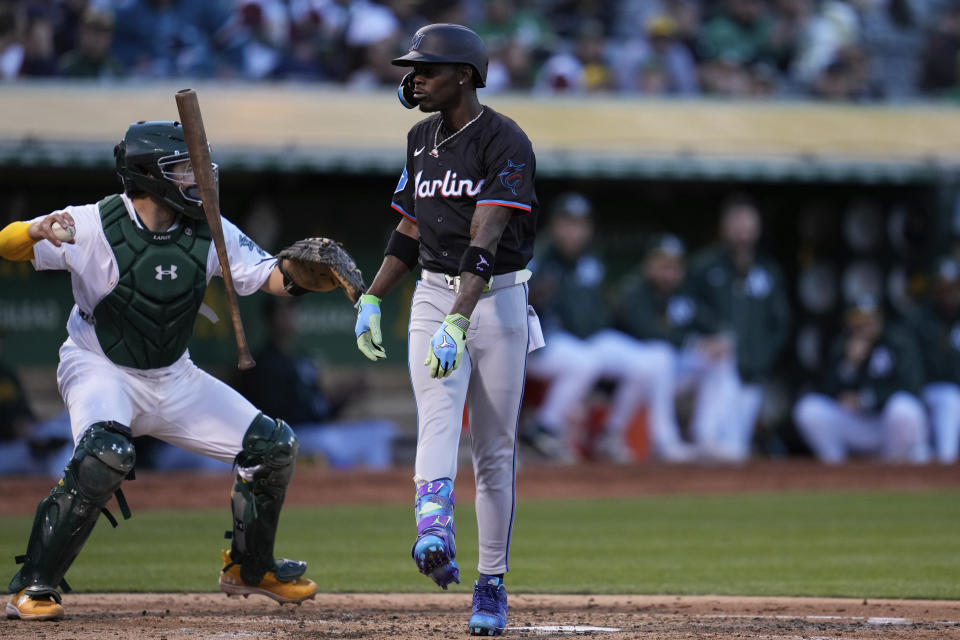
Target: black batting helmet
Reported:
[(448, 43)]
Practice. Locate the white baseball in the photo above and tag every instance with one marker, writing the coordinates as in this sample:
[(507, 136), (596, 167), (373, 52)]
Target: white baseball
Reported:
[(64, 234)]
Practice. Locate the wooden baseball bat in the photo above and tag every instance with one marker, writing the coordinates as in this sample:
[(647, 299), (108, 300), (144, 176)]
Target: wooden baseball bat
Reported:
[(196, 137)]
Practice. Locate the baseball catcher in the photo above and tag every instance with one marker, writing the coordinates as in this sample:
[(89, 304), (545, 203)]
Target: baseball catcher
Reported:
[(140, 262), (319, 264)]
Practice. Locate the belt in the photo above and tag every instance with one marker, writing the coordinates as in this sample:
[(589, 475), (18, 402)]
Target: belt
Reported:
[(496, 282)]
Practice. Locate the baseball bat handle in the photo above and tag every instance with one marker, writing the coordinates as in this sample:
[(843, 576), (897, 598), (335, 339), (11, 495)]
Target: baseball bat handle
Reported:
[(196, 136)]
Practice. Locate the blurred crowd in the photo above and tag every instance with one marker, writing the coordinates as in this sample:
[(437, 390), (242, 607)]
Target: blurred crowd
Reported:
[(683, 347), (850, 50)]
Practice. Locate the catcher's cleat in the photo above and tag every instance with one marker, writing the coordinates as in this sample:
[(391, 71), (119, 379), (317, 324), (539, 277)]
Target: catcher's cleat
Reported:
[(489, 607), (435, 549), (35, 603), (293, 590)]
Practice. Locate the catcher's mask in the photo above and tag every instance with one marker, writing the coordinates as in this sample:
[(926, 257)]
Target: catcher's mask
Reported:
[(153, 158), (446, 43)]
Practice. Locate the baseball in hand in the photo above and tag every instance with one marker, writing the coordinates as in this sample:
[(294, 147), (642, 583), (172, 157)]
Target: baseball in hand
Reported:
[(64, 234)]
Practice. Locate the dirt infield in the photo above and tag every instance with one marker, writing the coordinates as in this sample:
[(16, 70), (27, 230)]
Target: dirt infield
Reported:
[(376, 616), (314, 486), (391, 616)]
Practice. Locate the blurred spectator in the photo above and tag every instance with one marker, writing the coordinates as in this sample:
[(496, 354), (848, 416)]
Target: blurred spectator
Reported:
[(287, 385), (936, 325), (657, 310), (92, 57), (868, 402), (260, 29), (941, 57), (584, 70), (369, 25), (566, 17), (568, 291), (745, 290), (659, 63), (892, 42), (742, 32), (11, 47), (39, 56), (517, 38), (169, 38), (847, 77), (834, 28), (634, 15)]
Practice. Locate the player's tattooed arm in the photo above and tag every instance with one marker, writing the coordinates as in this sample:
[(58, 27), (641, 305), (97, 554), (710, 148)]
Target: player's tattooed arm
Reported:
[(393, 270), (486, 228)]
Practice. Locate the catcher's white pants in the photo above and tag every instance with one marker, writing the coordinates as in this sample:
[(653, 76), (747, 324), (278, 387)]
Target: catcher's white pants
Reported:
[(943, 398), (180, 404), (897, 433), (490, 380)]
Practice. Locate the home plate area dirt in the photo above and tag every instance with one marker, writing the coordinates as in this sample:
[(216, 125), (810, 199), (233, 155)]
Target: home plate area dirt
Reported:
[(376, 616)]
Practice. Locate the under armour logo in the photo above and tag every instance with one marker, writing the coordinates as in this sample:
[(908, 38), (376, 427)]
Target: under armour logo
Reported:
[(172, 272), (482, 263), (446, 343)]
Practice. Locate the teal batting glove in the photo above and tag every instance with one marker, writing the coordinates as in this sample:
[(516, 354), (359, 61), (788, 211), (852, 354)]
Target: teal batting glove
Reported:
[(447, 345), (369, 337)]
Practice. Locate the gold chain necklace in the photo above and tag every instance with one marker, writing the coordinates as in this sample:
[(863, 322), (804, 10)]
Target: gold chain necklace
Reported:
[(436, 134)]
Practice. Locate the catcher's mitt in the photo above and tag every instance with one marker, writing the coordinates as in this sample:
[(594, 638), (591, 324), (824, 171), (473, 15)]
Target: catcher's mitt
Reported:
[(320, 264)]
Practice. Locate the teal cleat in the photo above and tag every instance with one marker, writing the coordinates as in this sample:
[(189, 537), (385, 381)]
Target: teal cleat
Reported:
[(489, 607)]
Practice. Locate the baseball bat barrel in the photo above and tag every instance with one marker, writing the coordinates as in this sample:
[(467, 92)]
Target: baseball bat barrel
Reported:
[(196, 136)]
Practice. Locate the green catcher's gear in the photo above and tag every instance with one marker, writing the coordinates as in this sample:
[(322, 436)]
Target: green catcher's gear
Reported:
[(148, 318), (153, 158), (103, 458), (265, 468)]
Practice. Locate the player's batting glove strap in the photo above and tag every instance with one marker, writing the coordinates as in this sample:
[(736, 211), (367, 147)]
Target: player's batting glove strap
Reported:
[(447, 345), (320, 264), (369, 337)]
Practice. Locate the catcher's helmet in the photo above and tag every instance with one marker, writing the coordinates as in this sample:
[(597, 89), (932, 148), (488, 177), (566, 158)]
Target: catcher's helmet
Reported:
[(449, 43), (153, 157)]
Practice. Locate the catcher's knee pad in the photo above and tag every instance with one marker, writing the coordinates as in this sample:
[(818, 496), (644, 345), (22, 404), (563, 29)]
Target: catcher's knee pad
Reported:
[(103, 458), (265, 467)]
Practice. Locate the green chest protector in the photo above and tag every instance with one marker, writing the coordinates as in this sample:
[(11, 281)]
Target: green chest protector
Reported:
[(146, 321)]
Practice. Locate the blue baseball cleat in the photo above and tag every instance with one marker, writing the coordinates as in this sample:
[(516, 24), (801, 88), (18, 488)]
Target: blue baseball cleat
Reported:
[(435, 550), (489, 607)]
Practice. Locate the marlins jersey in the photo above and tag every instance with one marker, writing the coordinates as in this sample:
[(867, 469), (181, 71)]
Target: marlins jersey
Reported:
[(490, 162)]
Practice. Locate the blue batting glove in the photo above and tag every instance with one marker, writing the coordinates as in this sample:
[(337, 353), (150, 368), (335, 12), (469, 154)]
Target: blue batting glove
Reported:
[(447, 345), (369, 337)]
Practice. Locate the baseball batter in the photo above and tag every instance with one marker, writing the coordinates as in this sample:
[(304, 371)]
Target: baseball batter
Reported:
[(468, 208), (139, 264)]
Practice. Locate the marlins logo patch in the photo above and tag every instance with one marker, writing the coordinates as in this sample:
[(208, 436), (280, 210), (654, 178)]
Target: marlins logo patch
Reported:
[(511, 176)]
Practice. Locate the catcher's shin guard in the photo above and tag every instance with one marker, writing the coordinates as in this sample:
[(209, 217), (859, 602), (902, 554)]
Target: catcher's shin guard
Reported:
[(265, 468), (435, 550), (103, 458)]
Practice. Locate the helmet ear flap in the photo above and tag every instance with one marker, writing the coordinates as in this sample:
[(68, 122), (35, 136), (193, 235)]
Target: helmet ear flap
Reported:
[(405, 92)]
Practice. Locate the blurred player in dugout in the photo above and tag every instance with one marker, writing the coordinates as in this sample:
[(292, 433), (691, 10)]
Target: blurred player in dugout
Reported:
[(569, 291), (744, 290), (656, 308), (868, 401), (936, 324)]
